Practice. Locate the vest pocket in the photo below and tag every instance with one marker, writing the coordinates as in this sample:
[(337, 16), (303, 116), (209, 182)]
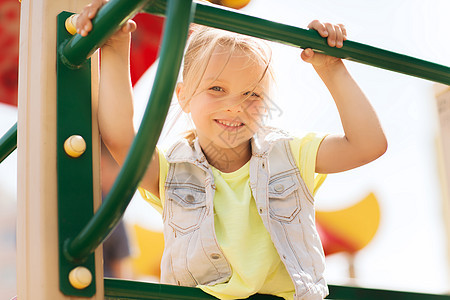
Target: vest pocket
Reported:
[(284, 201), (186, 207)]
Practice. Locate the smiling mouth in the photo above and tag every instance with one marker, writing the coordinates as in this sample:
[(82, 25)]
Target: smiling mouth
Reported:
[(230, 125)]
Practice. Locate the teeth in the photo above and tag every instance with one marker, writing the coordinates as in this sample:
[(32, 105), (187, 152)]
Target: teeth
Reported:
[(230, 124)]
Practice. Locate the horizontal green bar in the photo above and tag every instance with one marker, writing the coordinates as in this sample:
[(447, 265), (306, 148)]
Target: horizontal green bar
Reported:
[(141, 151), (123, 289), (237, 22), (133, 290), (8, 142), (107, 21), (127, 290), (349, 292)]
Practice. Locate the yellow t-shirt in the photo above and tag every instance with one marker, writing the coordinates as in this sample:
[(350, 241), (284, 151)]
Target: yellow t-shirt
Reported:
[(240, 231)]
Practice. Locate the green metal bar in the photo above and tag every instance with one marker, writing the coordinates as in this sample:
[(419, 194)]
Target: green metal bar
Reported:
[(108, 20), (349, 292), (127, 290), (74, 174), (175, 35), (123, 289), (285, 34), (8, 142)]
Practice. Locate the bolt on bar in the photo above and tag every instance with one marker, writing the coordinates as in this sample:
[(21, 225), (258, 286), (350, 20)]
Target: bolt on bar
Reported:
[(179, 15), (234, 21), (8, 142), (108, 20)]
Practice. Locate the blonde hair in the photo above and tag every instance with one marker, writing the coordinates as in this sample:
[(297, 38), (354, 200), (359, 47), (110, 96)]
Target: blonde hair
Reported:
[(203, 41)]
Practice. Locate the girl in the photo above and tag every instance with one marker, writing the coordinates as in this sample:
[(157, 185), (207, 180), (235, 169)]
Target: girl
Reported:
[(235, 195)]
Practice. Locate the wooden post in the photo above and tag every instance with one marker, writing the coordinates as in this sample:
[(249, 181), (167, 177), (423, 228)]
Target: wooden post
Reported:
[(37, 236), (442, 94)]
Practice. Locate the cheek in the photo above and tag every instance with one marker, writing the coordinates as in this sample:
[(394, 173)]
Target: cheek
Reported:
[(256, 109), (198, 107), (206, 104), (194, 111)]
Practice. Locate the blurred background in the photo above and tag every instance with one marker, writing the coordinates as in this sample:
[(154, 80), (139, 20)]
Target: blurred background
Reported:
[(383, 225)]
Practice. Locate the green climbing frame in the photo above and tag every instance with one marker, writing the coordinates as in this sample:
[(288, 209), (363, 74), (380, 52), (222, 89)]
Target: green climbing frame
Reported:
[(81, 236)]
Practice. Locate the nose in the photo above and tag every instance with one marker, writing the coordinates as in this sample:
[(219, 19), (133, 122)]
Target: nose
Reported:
[(236, 108), (235, 103)]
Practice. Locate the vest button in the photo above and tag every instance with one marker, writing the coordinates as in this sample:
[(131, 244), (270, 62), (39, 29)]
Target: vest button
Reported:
[(215, 256), (190, 198), (279, 187)]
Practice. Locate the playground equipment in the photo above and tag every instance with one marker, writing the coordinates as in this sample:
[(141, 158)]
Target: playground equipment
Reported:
[(80, 230), (349, 229)]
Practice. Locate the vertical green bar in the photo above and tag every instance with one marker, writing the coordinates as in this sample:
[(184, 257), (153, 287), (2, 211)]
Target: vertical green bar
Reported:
[(75, 191)]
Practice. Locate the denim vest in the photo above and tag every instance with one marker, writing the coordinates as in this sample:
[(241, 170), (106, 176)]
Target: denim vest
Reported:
[(192, 255)]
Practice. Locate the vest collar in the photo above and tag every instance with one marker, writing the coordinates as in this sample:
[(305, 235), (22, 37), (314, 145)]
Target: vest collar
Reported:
[(186, 151), (264, 139)]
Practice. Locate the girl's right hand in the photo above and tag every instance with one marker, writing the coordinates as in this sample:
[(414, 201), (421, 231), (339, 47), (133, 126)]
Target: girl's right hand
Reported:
[(84, 23)]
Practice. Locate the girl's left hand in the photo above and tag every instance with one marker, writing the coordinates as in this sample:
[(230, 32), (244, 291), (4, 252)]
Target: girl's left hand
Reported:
[(335, 34)]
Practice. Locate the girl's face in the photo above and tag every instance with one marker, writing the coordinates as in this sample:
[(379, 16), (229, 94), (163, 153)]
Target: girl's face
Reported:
[(229, 104)]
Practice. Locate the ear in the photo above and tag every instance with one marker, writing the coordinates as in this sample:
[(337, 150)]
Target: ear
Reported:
[(181, 96)]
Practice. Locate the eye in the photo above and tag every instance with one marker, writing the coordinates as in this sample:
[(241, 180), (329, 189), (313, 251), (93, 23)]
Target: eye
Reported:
[(253, 95), (217, 89)]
